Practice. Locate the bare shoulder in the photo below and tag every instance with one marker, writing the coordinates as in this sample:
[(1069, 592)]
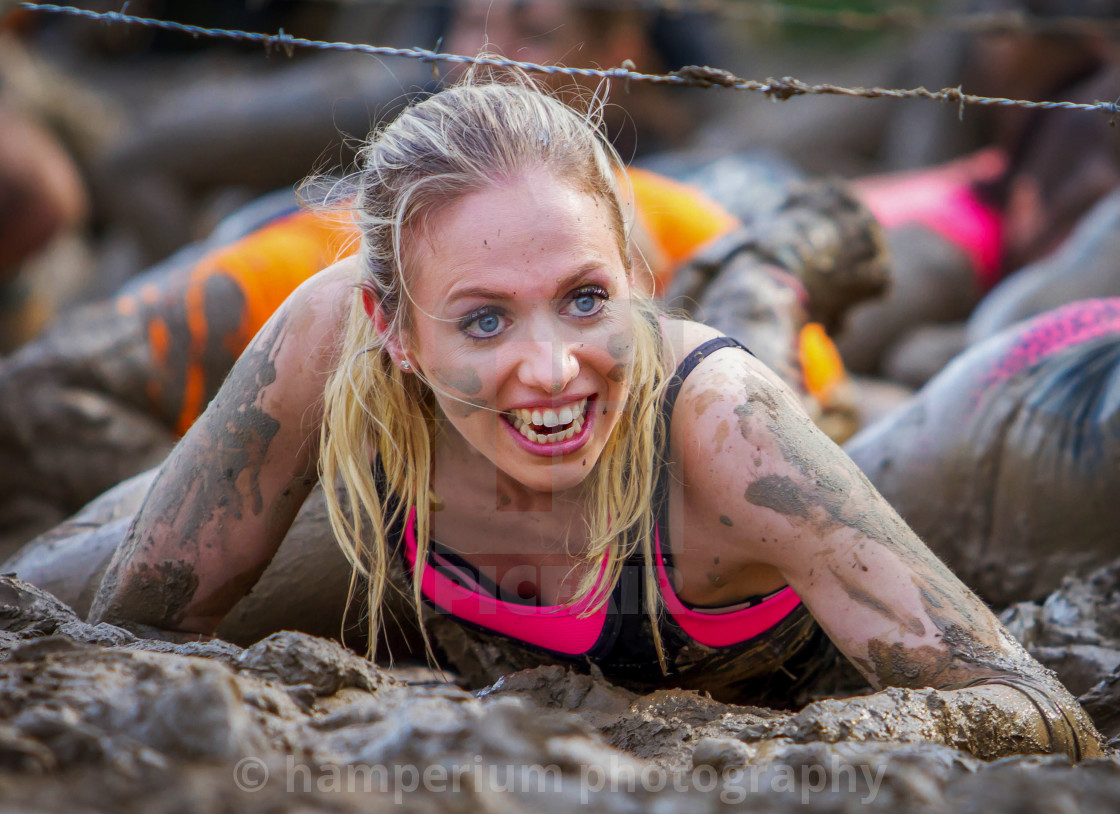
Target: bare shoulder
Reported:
[(736, 429), (316, 312), (727, 376), (301, 342)]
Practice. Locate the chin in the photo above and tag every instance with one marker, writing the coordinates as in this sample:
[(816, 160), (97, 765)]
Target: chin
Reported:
[(554, 479)]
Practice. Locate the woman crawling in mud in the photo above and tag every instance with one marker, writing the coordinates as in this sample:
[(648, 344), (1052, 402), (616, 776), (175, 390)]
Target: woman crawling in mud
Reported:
[(507, 432)]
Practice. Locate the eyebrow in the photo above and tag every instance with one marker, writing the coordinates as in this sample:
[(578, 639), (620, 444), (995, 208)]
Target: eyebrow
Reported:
[(562, 285)]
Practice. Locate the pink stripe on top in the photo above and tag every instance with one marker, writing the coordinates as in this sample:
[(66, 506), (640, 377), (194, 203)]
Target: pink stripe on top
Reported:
[(558, 628), (1054, 331), (728, 628)]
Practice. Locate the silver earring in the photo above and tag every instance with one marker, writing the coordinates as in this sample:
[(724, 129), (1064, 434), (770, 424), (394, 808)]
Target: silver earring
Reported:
[(405, 366)]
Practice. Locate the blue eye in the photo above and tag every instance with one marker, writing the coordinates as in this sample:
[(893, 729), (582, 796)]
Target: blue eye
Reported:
[(482, 324), (587, 301)]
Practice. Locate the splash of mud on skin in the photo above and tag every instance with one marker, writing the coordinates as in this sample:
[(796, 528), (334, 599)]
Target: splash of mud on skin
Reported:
[(620, 346), (909, 624), (468, 407), (778, 493), (163, 592), (231, 440), (465, 379)]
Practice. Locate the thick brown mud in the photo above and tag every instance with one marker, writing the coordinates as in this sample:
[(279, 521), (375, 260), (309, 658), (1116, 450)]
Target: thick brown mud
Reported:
[(93, 718)]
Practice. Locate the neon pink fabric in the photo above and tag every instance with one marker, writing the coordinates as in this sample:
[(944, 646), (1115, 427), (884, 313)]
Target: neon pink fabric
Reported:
[(731, 627), (553, 627), (1055, 331), (942, 199), (559, 627)]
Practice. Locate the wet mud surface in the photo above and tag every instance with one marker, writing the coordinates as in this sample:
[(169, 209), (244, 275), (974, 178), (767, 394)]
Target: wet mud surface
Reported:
[(93, 718)]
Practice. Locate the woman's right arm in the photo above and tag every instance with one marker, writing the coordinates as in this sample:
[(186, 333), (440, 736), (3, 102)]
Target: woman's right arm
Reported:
[(227, 494)]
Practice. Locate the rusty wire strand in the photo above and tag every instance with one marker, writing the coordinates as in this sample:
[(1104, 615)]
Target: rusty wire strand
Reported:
[(700, 76)]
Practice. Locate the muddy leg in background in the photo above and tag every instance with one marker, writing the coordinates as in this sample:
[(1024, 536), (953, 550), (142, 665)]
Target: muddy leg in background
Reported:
[(105, 394), (1008, 462), (932, 281), (73, 420)]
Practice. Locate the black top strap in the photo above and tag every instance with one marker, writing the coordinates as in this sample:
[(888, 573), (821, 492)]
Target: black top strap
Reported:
[(661, 487), (687, 365)]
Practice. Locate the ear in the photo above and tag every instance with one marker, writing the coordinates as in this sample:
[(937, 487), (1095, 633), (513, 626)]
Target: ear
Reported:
[(369, 301), (391, 339)]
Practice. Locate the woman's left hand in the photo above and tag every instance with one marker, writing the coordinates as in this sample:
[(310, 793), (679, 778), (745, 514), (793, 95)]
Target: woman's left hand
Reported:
[(989, 720)]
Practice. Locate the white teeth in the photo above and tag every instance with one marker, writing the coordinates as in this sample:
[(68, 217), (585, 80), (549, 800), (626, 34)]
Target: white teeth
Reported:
[(550, 438), (570, 416)]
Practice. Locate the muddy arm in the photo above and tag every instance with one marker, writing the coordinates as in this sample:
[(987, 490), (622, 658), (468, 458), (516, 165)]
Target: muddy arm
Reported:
[(226, 496), (787, 497)]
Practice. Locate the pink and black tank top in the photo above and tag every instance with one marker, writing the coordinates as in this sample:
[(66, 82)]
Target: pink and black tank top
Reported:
[(762, 648)]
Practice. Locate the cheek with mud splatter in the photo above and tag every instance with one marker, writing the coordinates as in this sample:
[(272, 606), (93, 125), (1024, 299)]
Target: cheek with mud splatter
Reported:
[(464, 379), (618, 373), (621, 346), (461, 386), (465, 408)]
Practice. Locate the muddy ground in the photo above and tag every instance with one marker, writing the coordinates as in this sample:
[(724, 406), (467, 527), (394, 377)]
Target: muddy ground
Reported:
[(93, 718)]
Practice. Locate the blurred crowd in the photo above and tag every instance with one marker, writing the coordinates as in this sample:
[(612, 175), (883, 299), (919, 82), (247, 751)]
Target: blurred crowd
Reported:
[(120, 145)]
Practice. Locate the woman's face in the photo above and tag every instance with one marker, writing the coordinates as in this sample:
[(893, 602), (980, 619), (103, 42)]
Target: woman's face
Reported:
[(521, 323)]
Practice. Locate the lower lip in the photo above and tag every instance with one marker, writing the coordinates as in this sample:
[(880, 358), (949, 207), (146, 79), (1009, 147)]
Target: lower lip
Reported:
[(561, 447)]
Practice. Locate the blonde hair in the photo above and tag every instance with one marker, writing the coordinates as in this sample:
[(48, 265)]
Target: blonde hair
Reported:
[(486, 130)]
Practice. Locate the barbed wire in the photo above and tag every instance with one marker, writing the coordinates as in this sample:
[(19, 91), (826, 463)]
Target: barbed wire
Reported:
[(899, 18), (700, 76)]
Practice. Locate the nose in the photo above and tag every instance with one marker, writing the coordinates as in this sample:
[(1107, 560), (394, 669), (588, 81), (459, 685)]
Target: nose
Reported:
[(547, 362)]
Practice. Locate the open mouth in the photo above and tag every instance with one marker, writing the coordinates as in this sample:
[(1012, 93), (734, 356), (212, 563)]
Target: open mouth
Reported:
[(549, 426)]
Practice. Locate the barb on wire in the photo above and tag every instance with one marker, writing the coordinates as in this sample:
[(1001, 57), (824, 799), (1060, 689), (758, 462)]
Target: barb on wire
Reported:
[(701, 76)]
